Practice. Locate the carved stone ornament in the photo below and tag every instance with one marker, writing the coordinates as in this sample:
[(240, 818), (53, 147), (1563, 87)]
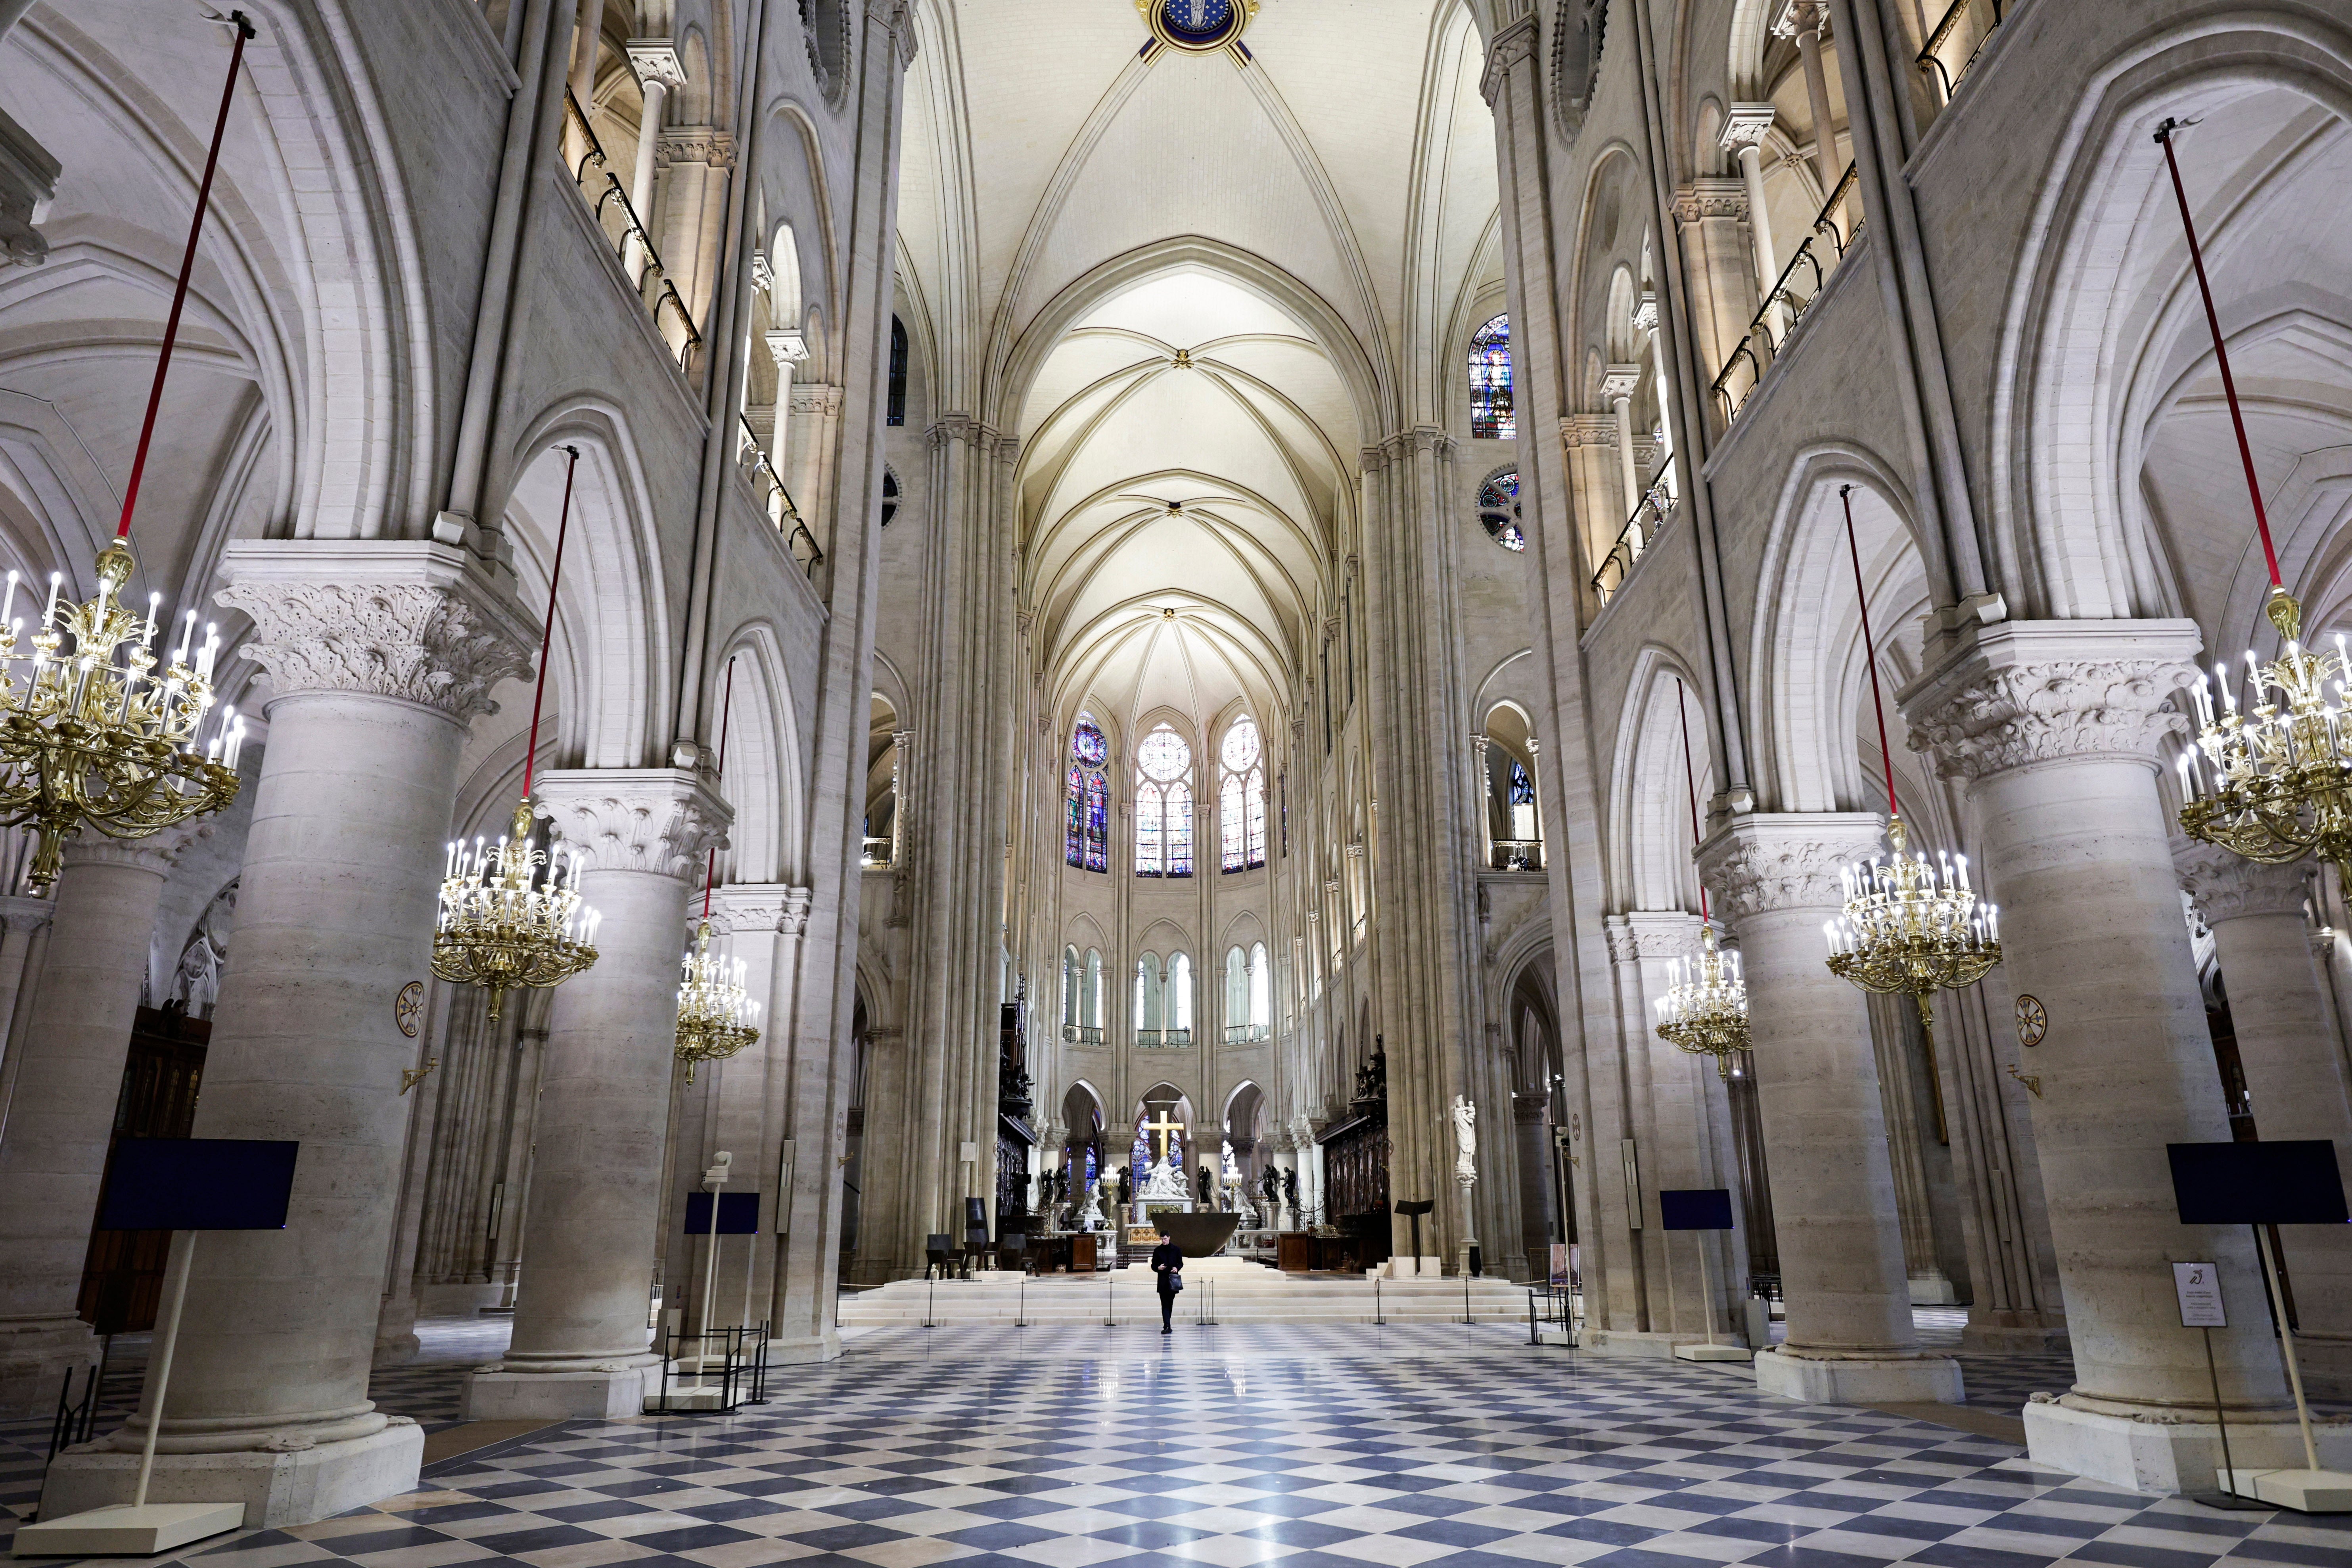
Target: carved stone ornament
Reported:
[(657, 820), (2019, 693), (1786, 861), (2224, 886), (395, 618), (743, 907)]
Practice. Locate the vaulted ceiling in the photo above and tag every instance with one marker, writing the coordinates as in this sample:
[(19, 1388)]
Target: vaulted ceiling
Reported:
[(1190, 432)]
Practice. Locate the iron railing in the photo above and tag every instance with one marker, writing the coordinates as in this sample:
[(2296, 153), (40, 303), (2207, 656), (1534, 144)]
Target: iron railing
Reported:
[(1242, 1033), (1952, 35), (1148, 1039), (876, 852), (741, 1353), (1518, 855), (1797, 286), (610, 204), (752, 460), (1082, 1034), (1654, 509)]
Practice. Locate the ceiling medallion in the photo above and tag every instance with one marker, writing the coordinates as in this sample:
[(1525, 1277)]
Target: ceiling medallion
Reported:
[(1197, 27)]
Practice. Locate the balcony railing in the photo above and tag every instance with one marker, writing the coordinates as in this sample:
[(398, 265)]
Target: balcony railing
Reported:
[(1799, 285), (1518, 855), (1082, 1035), (617, 217), (1243, 1033), (876, 853), (1650, 514), (1162, 1039), (753, 458), (1960, 36)]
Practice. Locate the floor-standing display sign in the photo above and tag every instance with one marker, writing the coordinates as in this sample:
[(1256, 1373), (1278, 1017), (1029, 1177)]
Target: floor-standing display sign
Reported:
[(2263, 1184), (186, 1185), (1702, 1209)]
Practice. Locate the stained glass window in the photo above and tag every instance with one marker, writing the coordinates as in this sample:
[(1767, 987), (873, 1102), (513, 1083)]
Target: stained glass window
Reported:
[(894, 411), (1240, 797), (1498, 511), (1163, 805), (1491, 418), (1085, 833)]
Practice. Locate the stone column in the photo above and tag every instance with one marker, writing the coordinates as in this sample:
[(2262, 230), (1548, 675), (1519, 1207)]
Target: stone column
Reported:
[(1744, 130), (379, 654), (594, 1210), (2295, 1071), (1617, 384), (1807, 22), (1850, 1336), (24, 948), (2055, 726), (658, 69), (61, 1119), (787, 347)]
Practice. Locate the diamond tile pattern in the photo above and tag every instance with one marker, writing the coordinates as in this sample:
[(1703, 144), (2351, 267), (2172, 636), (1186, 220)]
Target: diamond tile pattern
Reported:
[(1336, 1446)]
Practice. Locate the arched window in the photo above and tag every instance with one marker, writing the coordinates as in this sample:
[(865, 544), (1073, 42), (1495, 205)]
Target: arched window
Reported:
[(1491, 418), (889, 497), (1091, 998), (1261, 992), (1180, 1000), (1085, 799), (1499, 510), (1163, 805), (1082, 996), (894, 408), (1072, 978), (1236, 995), (1241, 797), (1151, 1000)]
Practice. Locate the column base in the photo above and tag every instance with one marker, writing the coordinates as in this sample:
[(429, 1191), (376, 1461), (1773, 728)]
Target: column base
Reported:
[(825, 1346), (1638, 1343), (1933, 1289), (2163, 1456), (506, 1396), (1906, 1380), (1995, 1332), (297, 1487), (34, 1357)]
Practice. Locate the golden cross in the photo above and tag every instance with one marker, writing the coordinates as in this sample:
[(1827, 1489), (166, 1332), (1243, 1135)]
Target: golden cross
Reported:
[(1163, 1127)]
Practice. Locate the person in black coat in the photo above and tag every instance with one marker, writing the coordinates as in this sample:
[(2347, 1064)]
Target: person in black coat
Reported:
[(1166, 1260)]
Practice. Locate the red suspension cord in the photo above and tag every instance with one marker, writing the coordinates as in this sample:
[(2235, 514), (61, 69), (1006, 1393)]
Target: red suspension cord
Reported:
[(726, 712), (1870, 650), (2221, 353), (1690, 780), (187, 265), (547, 632)]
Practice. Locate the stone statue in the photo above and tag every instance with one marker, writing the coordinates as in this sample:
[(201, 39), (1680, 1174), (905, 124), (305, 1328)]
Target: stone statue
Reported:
[(1126, 1188), (1163, 1178), (1205, 1187), (1290, 1194), (1465, 1141)]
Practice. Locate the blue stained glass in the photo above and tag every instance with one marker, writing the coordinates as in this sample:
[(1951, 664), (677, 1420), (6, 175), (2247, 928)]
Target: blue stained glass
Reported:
[(1085, 838), (1179, 830), (1147, 830), (1491, 414), (1196, 18), (1087, 743), (1073, 831), (1097, 822), (1498, 511), (1523, 788)]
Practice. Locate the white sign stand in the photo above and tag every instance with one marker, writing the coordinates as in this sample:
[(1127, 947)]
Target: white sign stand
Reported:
[(138, 1528), (1709, 1350), (2308, 1491)]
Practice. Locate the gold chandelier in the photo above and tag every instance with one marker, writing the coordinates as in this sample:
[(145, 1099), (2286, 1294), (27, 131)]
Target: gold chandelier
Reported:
[(1704, 1011), (716, 1017), (2273, 782), (502, 926), (1909, 928), (92, 736)]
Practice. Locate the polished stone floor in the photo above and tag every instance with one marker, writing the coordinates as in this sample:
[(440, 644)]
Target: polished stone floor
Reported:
[(1306, 1446)]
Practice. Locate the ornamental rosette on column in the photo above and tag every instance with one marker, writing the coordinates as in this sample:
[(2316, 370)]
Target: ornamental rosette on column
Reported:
[(401, 618), (1771, 863), (660, 821), (2019, 694), (2224, 885)]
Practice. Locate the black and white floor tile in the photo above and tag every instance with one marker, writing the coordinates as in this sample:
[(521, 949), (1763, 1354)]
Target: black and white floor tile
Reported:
[(1309, 1447)]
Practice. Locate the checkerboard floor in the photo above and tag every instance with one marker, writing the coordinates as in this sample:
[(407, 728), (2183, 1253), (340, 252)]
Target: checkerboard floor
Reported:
[(1312, 1447)]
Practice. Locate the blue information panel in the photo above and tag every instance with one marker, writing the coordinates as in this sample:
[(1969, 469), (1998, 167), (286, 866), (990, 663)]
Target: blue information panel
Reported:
[(1695, 1208), (197, 1183), (2290, 1183), (739, 1214)]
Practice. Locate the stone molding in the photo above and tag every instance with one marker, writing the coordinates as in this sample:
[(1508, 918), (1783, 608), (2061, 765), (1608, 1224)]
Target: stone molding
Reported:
[(28, 182), (1528, 1107), (1747, 125), (2223, 886), (1619, 381), (403, 618), (157, 852), (1588, 430), (656, 59), (1764, 863), (747, 906), (660, 821), (2018, 693), (1663, 934), (694, 144), (20, 912), (1513, 46), (1803, 16), (1711, 196)]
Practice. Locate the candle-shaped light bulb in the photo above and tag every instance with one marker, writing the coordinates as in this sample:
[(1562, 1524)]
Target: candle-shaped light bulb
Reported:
[(187, 633), (1962, 863), (154, 602), (49, 610), (2253, 681), (2221, 679)]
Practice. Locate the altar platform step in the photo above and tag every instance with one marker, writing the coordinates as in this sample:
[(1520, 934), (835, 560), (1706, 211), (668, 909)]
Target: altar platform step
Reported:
[(1249, 1294)]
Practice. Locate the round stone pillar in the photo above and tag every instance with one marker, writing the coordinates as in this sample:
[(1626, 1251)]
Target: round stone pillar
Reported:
[(379, 654), (581, 1338), (2055, 726), (60, 1116), (1850, 1339), (2295, 1070)]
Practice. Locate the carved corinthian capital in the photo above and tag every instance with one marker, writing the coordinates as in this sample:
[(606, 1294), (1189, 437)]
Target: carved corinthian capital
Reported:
[(401, 618), (2224, 886), (1776, 862), (2017, 693), (761, 906), (655, 820)]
